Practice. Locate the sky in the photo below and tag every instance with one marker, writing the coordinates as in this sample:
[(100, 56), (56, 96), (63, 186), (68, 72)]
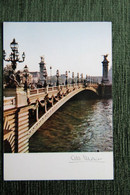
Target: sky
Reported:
[(66, 46)]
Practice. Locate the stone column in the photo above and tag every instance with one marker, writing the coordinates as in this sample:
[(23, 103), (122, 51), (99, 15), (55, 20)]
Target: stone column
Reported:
[(105, 70), (22, 139), (21, 123), (42, 64)]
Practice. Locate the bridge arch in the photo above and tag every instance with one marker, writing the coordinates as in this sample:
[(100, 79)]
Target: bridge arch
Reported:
[(56, 106), (92, 89), (7, 147), (9, 143), (9, 133)]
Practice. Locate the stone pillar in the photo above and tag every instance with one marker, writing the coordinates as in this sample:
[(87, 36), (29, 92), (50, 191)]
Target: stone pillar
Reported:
[(21, 97), (21, 124), (42, 64), (106, 91), (22, 139), (19, 93), (105, 70)]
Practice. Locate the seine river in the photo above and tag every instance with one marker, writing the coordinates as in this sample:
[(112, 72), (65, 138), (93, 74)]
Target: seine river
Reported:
[(82, 124)]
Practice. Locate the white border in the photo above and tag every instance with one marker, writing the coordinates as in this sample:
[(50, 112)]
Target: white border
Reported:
[(59, 166)]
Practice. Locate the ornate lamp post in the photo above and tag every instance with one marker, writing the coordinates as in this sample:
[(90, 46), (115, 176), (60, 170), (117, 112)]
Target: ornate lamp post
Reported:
[(69, 76), (50, 75), (26, 75), (89, 79), (66, 75), (45, 76), (13, 58), (77, 78), (82, 78), (86, 80), (57, 75), (73, 78)]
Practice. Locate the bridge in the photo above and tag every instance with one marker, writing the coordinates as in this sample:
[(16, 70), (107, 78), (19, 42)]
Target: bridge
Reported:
[(25, 110), (40, 104)]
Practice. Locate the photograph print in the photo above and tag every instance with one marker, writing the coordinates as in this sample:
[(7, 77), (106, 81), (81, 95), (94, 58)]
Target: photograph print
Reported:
[(57, 87)]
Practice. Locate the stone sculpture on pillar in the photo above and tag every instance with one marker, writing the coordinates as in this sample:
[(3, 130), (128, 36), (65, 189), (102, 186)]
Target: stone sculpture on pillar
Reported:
[(105, 70), (42, 66)]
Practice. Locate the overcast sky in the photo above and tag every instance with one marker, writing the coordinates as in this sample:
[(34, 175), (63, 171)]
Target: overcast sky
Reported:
[(71, 46)]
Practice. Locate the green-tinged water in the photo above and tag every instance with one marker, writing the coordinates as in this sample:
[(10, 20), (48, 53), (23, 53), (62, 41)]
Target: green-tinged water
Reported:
[(81, 125)]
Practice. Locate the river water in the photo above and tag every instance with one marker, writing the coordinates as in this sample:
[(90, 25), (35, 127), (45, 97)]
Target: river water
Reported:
[(83, 124)]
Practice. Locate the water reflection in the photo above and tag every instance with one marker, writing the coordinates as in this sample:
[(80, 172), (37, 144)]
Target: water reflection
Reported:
[(80, 125)]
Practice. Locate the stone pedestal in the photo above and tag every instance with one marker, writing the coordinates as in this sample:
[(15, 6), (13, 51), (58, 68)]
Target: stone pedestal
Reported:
[(18, 93), (22, 139), (106, 91), (16, 121)]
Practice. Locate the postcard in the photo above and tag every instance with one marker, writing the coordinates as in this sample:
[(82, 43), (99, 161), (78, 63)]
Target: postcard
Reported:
[(57, 101)]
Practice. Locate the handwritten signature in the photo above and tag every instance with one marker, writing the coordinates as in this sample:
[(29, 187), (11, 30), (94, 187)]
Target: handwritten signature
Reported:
[(84, 158)]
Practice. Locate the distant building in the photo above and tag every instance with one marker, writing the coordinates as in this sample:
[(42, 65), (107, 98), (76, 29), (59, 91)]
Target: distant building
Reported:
[(35, 77)]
